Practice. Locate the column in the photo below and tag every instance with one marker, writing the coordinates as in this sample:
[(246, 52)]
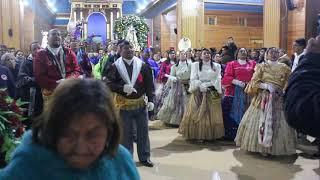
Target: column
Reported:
[(272, 23), (312, 11), (81, 14), (190, 14), (114, 19), (75, 15), (85, 29), (1, 26), (108, 31), (118, 13), (111, 25), (21, 22)]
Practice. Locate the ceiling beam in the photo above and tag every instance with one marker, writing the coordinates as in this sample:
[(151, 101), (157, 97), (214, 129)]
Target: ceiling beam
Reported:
[(235, 3), (170, 9)]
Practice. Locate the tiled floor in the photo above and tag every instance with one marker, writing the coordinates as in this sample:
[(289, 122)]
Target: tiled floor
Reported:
[(180, 160)]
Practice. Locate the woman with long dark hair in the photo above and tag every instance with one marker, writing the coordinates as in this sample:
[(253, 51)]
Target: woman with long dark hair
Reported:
[(165, 67), (175, 102), (263, 127), (190, 58), (235, 102), (203, 117)]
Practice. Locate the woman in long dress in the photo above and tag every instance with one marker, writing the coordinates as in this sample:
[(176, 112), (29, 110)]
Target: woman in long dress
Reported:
[(175, 102), (162, 89), (203, 118), (263, 127), (235, 102)]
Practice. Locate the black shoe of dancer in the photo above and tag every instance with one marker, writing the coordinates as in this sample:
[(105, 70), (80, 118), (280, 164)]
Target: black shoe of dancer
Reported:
[(147, 163)]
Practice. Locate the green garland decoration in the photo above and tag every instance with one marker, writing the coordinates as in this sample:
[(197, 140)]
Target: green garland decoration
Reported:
[(121, 27)]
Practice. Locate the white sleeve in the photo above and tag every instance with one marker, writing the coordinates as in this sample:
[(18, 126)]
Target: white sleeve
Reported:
[(217, 83), (236, 82), (264, 86), (194, 77)]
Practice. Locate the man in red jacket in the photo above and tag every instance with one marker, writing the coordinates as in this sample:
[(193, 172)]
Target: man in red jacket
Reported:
[(54, 64)]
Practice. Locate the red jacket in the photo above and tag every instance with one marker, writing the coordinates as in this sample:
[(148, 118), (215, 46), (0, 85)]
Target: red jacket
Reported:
[(46, 73), (235, 70)]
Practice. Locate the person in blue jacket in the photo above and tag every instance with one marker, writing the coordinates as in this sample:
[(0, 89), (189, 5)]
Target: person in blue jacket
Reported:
[(146, 57), (76, 137)]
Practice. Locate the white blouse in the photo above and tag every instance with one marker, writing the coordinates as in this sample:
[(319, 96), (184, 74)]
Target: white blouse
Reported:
[(208, 74), (182, 71)]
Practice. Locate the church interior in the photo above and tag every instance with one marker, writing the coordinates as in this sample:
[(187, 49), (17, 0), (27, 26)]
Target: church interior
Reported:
[(252, 23), (162, 25)]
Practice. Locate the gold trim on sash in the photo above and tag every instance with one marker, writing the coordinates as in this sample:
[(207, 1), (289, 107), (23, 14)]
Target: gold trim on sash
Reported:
[(124, 103)]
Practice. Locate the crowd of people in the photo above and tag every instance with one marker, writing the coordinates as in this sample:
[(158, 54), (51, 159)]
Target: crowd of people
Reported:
[(232, 94)]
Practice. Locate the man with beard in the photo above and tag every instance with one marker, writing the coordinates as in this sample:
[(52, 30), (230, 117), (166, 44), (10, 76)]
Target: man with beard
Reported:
[(28, 89), (132, 82), (54, 64)]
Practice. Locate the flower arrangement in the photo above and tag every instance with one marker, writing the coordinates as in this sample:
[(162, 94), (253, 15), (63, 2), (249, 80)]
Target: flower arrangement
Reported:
[(121, 27), (11, 126)]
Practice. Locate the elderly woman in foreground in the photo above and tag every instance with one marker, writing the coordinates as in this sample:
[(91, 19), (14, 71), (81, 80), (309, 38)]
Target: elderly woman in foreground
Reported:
[(76, 137)]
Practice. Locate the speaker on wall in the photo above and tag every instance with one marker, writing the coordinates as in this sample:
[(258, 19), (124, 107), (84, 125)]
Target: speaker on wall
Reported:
[(10, 32), (290, 4), (175, 31)]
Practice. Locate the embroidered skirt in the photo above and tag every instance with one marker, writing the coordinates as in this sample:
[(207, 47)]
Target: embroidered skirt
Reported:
[(161, 92), (174, 104), (203, 117), (283, 137)]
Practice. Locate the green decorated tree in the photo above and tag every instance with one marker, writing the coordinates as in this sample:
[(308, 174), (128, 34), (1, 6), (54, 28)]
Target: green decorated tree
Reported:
[(11, 126), (122, 25)]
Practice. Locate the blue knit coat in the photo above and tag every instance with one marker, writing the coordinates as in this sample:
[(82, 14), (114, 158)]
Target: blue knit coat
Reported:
[(36, 162)]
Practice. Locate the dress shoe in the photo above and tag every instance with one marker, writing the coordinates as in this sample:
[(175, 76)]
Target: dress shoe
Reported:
[(147, 163)]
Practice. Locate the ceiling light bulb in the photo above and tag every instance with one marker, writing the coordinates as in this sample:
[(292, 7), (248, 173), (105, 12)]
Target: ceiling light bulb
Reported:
[(25, 3)]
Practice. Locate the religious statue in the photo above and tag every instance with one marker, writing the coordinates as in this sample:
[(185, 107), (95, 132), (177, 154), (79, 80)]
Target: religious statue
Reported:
[(132, 38), (44, 42), (78, 31), (184, 44)]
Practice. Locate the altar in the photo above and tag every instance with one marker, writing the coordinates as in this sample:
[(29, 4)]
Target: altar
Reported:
[(96, 17)]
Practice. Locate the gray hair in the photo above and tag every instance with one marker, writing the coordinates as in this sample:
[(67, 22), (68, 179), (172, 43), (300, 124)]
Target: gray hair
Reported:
[(5, 57)]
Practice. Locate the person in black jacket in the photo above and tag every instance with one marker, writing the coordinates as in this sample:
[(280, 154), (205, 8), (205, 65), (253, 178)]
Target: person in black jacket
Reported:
[(302, 99), (7, 81), (232, 47), (132, 83), (226, 55), (28, 89)]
